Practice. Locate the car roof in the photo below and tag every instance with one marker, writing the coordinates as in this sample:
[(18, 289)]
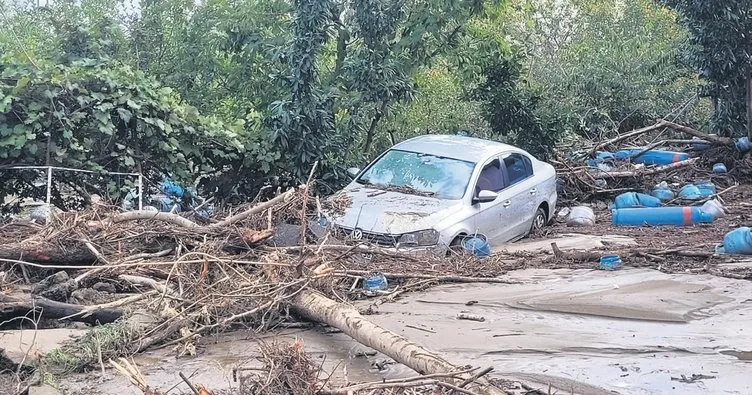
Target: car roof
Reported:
[(464, 148)]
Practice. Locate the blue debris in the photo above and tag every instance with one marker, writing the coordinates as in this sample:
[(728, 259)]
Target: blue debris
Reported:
[(738, 241), (610, 262), (477, 246), (634, 199), (663, 192), (376, 282), (742, 144)]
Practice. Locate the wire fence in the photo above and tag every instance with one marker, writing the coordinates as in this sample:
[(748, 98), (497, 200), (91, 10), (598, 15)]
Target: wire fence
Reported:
[(50, 170)]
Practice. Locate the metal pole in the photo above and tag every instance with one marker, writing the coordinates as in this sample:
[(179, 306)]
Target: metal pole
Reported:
[(49, 184), (140, 192)]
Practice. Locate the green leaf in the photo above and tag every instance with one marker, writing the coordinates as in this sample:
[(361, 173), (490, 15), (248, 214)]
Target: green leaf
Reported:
[(129, 161), (124, 114), (132, 104), (22, 82)]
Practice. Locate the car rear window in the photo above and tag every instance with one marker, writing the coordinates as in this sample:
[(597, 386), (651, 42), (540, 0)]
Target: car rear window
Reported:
[(418, 173), (518, 168)]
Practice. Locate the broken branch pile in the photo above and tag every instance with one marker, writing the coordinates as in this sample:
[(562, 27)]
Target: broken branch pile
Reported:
[(596, 172), (159, 279)]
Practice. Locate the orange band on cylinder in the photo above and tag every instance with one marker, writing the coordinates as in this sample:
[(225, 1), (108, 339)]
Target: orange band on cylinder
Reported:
[(687, 213)]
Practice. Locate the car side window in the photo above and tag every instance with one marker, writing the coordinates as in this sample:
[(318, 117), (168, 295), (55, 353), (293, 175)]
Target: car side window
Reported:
[(491, 178), (518, 168)]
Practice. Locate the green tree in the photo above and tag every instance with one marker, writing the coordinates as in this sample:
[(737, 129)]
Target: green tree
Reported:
[(721, 51), (92, 116)]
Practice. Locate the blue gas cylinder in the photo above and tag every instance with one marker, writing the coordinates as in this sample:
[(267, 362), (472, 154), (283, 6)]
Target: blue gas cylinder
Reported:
[(690, 192), (742, 144), (659, 216), (719, 168), (634, 199), (738, 241), (707, 189), (652, 157), (663, 192), (477, 246)]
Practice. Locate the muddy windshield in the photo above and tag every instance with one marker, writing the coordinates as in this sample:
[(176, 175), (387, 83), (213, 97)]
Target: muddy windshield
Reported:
[(419, 174)]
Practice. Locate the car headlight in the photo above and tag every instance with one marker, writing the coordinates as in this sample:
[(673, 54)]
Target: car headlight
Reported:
[(420, 238)]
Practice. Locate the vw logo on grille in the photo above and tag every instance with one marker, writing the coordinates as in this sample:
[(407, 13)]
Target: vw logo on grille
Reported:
[(357, 234)]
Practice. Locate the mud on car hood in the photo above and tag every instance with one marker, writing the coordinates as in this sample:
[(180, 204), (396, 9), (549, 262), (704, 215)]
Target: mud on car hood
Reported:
[(395, 213)]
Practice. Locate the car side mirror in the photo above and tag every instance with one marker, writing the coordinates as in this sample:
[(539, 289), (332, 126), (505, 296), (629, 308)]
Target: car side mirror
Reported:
[(353, 172), (486, 196)]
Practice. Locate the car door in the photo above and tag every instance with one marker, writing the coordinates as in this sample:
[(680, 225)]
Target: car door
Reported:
[(520, 191), (489, 218)]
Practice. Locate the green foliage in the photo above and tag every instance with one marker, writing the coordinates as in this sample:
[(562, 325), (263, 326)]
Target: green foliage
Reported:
[(108, 341), (93, 116), (329, 81), (604, 66), (721, 51)]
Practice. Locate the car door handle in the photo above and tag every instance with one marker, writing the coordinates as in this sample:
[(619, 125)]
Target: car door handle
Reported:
[(507, 203), (534, 191)]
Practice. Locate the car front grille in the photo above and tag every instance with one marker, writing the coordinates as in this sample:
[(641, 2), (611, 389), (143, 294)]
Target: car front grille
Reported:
[(384, 240)]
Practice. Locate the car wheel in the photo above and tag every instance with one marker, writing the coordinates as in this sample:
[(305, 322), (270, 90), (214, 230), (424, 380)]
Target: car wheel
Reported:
[(539, 221)]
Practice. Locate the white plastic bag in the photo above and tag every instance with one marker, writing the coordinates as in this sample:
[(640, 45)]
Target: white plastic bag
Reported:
[(581, 216), (714, 208)]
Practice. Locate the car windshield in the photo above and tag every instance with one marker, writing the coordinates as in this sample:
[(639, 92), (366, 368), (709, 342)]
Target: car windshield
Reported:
[(420, 174)]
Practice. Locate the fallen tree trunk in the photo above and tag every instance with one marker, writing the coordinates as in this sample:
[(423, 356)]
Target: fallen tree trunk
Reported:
[(47, 252), (175, 219), (696, 133), (317, 307), (625, 136), (38, 307)]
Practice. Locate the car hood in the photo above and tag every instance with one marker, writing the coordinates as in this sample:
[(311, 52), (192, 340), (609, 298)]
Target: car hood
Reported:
[(379, 211)]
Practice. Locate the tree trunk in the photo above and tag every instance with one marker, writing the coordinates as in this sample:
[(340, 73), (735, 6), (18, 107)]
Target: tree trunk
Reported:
[(372, 128), (13, 307), (749, 107), (318, 307), (47, 252)]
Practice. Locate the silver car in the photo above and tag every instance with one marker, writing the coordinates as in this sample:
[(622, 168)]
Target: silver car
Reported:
[(432, 191)]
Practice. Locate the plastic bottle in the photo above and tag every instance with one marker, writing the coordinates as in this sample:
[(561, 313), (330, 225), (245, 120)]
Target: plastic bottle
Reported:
[(478, 247), (663, 192), (738, 241), (581, 216), (634, 199), (659, 216)]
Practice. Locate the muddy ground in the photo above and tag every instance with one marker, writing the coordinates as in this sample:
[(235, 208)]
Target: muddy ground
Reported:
[(672, 326)]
